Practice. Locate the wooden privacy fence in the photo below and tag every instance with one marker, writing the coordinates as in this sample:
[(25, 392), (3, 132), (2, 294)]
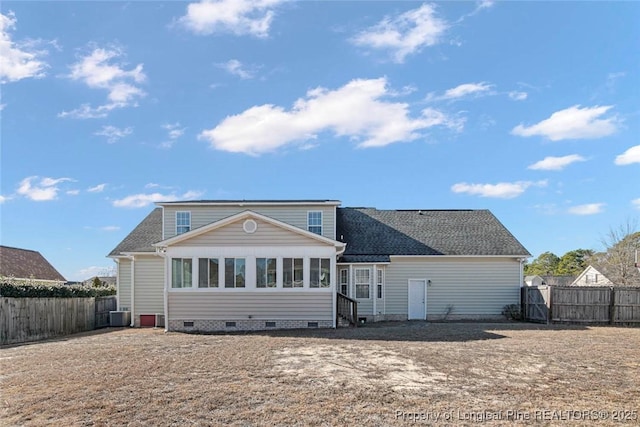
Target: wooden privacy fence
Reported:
[(581, 304), (32, 319)]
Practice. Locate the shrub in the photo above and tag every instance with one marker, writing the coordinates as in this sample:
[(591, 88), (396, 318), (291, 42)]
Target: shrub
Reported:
[(512, 312), (15, 289)]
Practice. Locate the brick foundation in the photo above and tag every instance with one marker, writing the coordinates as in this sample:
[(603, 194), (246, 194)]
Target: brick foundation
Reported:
[(244, 325)]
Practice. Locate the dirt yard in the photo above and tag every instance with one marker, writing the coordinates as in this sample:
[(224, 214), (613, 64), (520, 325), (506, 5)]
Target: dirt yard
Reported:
[(389, 374)]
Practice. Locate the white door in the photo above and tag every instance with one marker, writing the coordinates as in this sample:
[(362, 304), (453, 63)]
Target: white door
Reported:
[(417, 299)]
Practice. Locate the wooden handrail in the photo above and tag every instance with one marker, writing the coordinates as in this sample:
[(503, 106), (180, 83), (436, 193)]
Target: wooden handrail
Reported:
[(347, 308)]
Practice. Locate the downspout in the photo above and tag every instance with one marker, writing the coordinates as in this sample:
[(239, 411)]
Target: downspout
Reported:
[(162, 253), (133, 294), (117, 261)]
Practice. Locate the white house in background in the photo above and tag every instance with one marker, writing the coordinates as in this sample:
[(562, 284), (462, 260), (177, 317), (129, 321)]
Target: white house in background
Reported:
[(591, 277), (216, 265), (533, 280)]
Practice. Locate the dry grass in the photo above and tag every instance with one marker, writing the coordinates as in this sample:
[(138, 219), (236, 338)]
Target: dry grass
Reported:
[(323, 377)]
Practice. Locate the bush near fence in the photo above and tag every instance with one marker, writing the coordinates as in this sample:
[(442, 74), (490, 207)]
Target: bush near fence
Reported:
[(31, 312), (15, 289)]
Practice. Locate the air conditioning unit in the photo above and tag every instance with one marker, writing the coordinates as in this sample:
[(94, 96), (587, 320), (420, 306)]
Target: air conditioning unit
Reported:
[(159, 320), (119, 318)]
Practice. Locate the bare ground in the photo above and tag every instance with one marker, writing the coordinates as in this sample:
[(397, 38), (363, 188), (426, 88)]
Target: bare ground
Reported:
[(377, 375)]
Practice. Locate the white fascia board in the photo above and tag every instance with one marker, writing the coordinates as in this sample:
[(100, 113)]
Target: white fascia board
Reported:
[(458, 256), (241, 215), (250, 203)]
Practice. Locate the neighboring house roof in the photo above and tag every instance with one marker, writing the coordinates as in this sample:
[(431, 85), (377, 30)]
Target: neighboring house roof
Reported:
[(375, 234), (141, 239), (634, 275), (26, 264), (558, 280), (252, 202)]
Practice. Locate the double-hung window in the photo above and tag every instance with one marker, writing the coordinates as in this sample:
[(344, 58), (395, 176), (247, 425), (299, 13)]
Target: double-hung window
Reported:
[(266, 274), (363, 283), (234, 272), (320, 273), (208, 276), (292, 272), (344, 281), (379, 282), (181, 272), (314, 222), (183, 222)]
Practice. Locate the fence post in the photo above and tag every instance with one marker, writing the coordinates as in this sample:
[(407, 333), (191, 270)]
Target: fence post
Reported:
[(550, 306), (612, 305)]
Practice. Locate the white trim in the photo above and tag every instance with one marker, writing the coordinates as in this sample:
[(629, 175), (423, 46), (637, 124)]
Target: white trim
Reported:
[(241, 215), (424, 281), (355, 275), (458, 256), (374, 268), (167, 263), (162, 207), (117, 261)]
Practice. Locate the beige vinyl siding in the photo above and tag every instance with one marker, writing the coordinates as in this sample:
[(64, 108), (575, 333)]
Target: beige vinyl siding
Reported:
[(293, 215), (149, 285), (278, 305), (365, 306), (233, 235), (124, 284), (473, 286)]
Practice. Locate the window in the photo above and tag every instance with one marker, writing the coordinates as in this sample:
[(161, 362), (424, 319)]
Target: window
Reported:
[(266, 273), (314, 222), (181, 272), (208, 273), (380, 281), (234, 272), (363, 283), (183, 222), (344, 281), (320, 276), (292, 272)]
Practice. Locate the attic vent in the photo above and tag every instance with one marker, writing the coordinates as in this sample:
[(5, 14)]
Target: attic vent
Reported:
[(249, 226)]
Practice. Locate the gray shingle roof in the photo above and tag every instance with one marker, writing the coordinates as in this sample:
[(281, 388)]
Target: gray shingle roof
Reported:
[(25, 264), (148, 232), (372, 235), (370, 232)]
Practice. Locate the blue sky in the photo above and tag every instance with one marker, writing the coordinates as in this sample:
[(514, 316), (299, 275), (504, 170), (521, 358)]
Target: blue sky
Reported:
[(529, 109)]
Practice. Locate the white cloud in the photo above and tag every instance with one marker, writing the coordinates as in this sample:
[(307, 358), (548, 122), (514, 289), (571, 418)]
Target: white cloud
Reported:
[(110, 228), (236, 68), (73, 192), (632, 155), (406, 33), (240, 17), (556, 163), (98, 70), (588, 209), (636, 203), (97, 189), (573, 123), (3, 199), (517, 95), (174, 131), (356, 110), (141, 200), (46, 189), (20, 60), (463, 90), (113, 134), (2, 106), (501, 190)]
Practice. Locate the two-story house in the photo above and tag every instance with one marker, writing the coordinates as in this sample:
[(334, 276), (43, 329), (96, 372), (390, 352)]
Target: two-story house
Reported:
[(249, 265)]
